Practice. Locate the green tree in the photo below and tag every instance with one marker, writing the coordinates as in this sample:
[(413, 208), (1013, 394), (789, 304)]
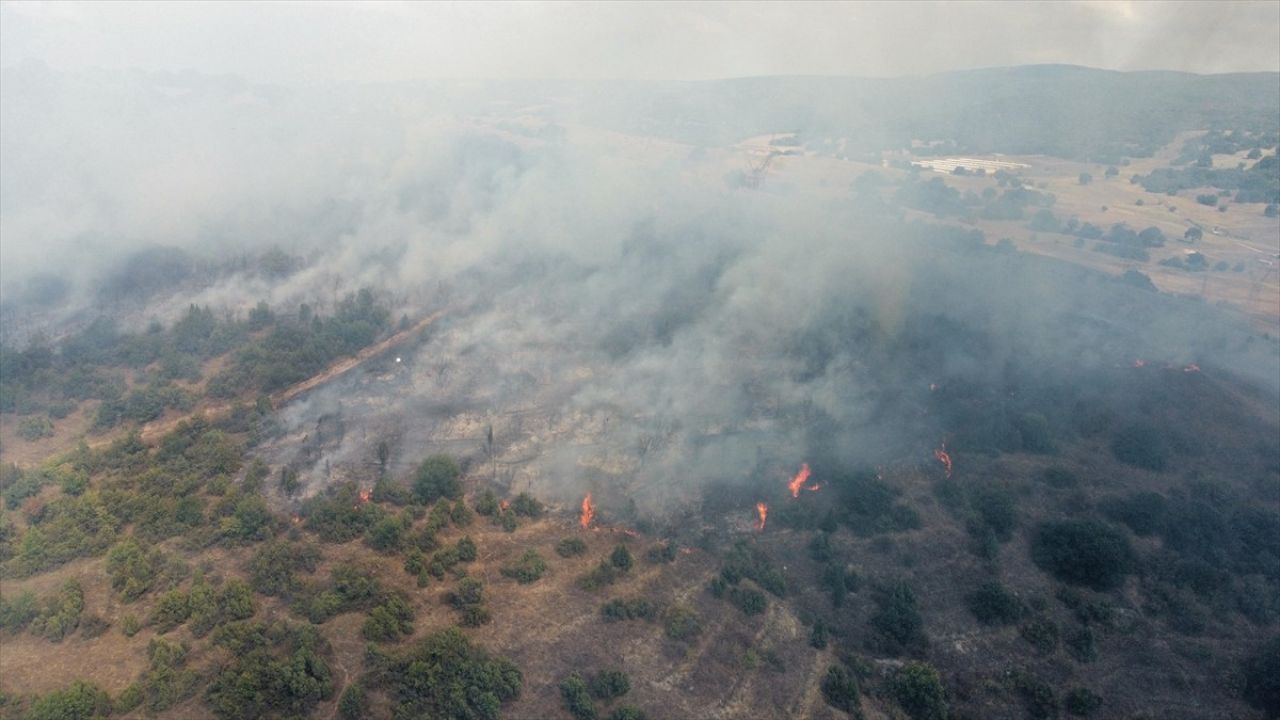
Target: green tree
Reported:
[(840, 690), (1083, 552), (435, 478), (918, 690)]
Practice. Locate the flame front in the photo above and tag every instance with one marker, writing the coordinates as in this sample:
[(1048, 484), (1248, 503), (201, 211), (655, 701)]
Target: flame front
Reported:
[(365, 495), (763, 511), (588, 512), (799, 480), (1191, 368), (944, 457), (1139, 363)]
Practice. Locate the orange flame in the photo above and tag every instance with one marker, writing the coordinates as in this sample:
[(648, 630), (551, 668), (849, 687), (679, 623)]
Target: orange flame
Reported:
[(799, 480), (296, 520), (763, 511), (588, 512), (504, 505), (944, 457), (365, 495)]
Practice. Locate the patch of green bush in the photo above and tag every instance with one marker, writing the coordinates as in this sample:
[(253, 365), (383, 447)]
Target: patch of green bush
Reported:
[(917, 689), (570, 547), (445, 676), (993, 604), (1083, 552), (620, 609), (529, 568)]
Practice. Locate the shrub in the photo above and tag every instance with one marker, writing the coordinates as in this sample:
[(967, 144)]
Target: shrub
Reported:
[(468, 599), (171, 610), (272, 568), (628, 712), (80, 701), (391, 620), (276, 671), (1037, 697), (749, 562), (466, 549), (132, 568), (749, 600), (609, 684), (840, 689), (354, 703), (603, 574), (165, 682), (577, 698), (445, 676), (386, 534), (663, 552), (1082, 645), (1262, 678), (896, 623), (1059, 477), (993, 604), (570, 547), (435, 478), (1042, 633), (619, 609), (34, 428), (527, 569), (682, 623), (1142, 446), (527, 505), (487, 504), (918, 690), (819, 636), (1081, 702), (1143, 512), (17, 613), (61, 614), (1082, 552), (621, 558), (461, 515)]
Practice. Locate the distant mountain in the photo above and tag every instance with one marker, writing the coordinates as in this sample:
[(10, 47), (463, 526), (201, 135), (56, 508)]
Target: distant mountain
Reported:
[(1045, 109)]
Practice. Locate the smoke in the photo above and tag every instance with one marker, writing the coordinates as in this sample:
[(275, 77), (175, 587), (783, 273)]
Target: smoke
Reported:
[(627, 323)]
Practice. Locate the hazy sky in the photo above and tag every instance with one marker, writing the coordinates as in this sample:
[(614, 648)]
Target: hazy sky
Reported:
[(318, 42)]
